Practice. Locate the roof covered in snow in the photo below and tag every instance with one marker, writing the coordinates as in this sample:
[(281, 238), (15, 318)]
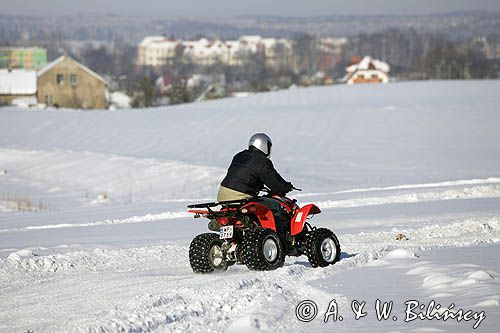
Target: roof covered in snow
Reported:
[(369, 63), (17, 82), (204, 47), (152, 39), (83, 67), (254, 39)]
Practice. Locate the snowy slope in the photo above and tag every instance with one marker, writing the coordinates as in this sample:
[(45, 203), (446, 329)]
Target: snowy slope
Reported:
[(94, 233)]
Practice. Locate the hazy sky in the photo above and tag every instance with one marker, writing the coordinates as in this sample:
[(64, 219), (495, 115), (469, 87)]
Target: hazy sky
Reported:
[(225, 8)]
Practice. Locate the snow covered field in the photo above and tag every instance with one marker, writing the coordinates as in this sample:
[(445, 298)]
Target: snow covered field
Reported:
[(94, 232)]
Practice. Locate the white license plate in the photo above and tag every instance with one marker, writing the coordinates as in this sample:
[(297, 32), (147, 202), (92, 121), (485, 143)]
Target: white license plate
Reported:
[(226, 232)]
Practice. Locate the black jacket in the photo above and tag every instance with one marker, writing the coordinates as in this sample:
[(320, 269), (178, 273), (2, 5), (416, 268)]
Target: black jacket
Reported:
[(250, 170)]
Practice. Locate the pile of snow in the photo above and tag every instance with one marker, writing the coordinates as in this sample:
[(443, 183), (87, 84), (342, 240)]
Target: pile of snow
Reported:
[(25, 102), (401, 254), (444, 281), (107, 178), (120, 100)]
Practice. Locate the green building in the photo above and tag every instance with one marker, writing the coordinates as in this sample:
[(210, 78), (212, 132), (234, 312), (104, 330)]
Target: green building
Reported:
[(25, 58)]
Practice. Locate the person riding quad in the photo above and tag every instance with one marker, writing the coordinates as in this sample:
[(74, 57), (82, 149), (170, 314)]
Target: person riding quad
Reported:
[(249, 172)]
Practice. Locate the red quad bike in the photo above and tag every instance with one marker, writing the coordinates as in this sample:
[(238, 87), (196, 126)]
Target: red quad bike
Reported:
[(246, 233)]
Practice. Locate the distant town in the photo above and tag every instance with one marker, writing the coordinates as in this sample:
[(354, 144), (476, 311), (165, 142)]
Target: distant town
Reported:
[(100, 69)]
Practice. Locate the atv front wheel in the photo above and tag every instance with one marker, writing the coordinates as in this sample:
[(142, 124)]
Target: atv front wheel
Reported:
[(205, 254), (262, 250), (322, 247)]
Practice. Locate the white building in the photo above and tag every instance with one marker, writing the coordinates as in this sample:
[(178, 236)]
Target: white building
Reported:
[(278, 52), (205, 52), (368, 70), (158, 51)]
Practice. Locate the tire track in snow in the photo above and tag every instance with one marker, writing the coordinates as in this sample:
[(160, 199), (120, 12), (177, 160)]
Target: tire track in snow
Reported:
[(490, 180), (267, 300), (132, 219), (475, 192), (152, 287)]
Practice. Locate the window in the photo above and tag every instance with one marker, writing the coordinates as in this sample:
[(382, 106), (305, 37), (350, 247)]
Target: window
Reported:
[(374, 76), (60, 78), (73, 78)]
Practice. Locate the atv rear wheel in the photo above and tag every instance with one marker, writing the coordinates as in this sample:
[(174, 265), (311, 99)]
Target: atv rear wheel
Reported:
[(205, 254), (322, 247), (262, 250)]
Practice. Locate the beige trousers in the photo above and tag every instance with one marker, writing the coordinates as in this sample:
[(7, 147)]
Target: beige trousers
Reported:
[(227, 194)]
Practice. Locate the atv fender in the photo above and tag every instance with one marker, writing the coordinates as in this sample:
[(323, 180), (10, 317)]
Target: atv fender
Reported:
[(263, 214), (299, 219)]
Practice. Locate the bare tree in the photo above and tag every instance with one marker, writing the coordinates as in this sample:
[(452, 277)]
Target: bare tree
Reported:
[(306, 52)]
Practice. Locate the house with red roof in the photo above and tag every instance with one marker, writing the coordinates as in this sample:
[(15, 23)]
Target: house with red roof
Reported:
[(367, 70)]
